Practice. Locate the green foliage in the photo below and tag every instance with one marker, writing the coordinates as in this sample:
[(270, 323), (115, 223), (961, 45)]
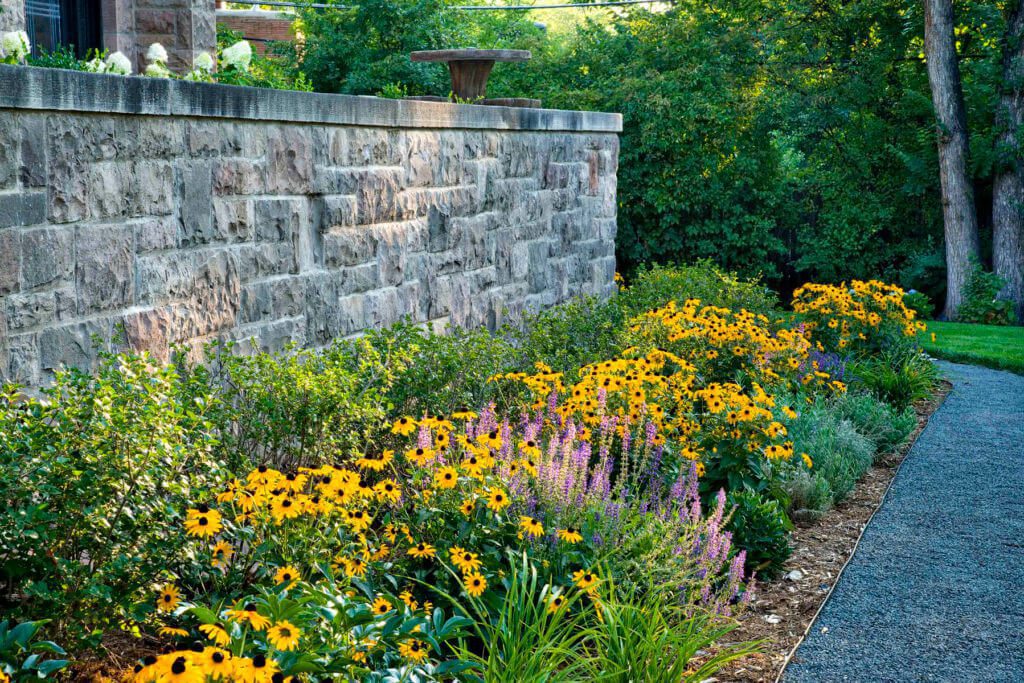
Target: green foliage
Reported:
[(919, 303), (759, 526), (883, 424), (22, 657), (61, 57), (998, 347), (981, 303), (365, 49), (840, 456), (94, 476), (276, 68), (898, 376), (653, 286), (300, 407)]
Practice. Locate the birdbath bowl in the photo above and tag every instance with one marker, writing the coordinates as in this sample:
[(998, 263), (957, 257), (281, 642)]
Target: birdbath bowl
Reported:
[(470, 68)]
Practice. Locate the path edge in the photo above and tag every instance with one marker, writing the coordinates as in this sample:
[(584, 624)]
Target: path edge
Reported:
[(940, 396)]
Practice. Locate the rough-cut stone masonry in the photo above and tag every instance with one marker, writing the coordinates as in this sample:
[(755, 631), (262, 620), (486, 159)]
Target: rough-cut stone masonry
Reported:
[(183, 229)]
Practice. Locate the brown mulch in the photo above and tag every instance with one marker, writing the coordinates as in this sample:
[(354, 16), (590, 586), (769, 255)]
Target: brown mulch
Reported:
[(784, 608)]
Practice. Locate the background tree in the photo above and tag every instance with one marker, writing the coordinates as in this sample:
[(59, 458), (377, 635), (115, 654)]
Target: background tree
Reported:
[(959, 218), (1008, 186)]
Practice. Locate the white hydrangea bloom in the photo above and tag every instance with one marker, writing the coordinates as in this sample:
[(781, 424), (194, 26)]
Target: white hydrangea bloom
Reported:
[(238, 55), (117, 63), (156, 54), (15, 44), (96, 65), (157, 70), (204, 62)]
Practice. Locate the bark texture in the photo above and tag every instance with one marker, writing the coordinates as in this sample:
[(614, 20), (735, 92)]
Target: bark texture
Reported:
[(1008, 187), (959, 218)]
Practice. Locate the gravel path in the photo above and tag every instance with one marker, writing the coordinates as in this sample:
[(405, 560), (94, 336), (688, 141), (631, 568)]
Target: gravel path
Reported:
[(935, 591)]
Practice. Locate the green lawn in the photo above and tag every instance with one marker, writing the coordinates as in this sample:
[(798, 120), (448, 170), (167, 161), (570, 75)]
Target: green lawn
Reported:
[(991, 345)]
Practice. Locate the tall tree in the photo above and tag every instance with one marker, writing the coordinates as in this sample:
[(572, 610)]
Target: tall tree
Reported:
[(1008, 186), (959, 218)]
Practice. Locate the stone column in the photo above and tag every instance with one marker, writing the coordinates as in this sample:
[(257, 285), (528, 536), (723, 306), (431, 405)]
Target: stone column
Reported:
[(184, 27), (12, 18)]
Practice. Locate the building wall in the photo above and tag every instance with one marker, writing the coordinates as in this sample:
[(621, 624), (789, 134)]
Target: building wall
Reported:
[(195, 212), (258, 26), (12, 18)]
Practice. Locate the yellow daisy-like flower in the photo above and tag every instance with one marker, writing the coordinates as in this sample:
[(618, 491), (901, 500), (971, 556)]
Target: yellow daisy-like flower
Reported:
[(381, 606), (284, 635), (584, 579), (475, 584), (807, 460), (203, 522), (413, 650), (404, 426), (171, 631), (406, 597), (287, 575), (446, 478), (222, 553), (531, 527), (421, 550), (468, 506), (168, 599), (376, 462), (215, 633), (248, 614), (217, 664), (388, 490), (556, 603), (463, 415), (284, 507), (463, 559), (498, 501), (419, 456), (181, 670), (570, 535)]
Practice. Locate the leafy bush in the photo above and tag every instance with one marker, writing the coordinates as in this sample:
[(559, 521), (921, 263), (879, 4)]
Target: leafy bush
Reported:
[(94, 476), (981, 303), (897, 376), (760, 527), (654, 286), (22, 657), (299, 406), (884, 425), (919, 303), (839, 454), (275, 68)]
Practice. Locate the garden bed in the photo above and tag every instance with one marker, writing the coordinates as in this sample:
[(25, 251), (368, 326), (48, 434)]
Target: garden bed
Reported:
[(784, 608)]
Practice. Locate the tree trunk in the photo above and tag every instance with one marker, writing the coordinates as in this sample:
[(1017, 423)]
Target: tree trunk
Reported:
[(1008, 188), (961, 223)]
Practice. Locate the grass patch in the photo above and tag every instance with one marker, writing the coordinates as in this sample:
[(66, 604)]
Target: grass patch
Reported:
[(990, 345)]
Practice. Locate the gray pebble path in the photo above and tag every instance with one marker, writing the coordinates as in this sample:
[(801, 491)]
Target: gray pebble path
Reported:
[(935, 591)]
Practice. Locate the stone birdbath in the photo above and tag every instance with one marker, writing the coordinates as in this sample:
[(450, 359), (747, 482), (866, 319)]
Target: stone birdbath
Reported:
[(469, 69)]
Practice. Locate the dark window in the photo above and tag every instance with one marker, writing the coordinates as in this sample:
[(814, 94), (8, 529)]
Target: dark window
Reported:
[(74, 23)]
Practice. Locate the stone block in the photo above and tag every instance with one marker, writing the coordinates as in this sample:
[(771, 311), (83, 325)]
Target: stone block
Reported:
[(105, 268), (73, 345), (32, 169), (290, 161), (22, 359), (348, 247), (22, 208), (9, 136), (238, 176), (30, 310), (47, 255), (110, 188), (155, 234), (10, 261), (194, 200), (233, 219)]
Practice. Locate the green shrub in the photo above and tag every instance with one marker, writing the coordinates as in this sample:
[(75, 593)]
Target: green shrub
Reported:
[(760, 526), (446, 370), (654, 286), (981, 303), (22, 657), (95, 477), (884, 425), (571, 335), (301, 407), (839, 453), (898, 376), (919, 303)]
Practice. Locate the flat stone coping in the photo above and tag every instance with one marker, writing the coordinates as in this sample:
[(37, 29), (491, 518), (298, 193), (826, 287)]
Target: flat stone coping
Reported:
[(26, 87)]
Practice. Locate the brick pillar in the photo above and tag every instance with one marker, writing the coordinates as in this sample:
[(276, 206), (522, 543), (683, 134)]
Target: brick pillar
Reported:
[(12, 18)]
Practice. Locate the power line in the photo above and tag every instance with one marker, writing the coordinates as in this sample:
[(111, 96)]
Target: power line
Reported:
[(610, 3)]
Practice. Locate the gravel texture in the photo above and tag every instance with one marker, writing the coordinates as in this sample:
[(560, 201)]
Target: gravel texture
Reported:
[(935, 591)]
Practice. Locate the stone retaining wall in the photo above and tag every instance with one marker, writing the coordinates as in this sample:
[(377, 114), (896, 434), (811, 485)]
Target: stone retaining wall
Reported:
[(180, 213)]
